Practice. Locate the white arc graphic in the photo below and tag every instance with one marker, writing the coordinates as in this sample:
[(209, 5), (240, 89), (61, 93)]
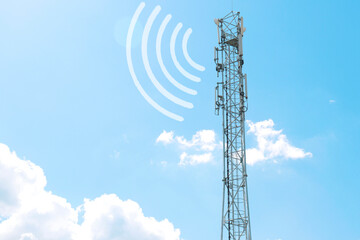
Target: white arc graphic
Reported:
[(173, 55), (186, 54), (159, 57), (149, 72), (132, 72), (147, 65)]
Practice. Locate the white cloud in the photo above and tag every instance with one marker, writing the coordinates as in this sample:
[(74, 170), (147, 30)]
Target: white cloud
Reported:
[(271, 144), (195, 159), (108, 217), (199, 149), (31, 213), (166, 137), (201, 140), (332, 101), (27, 236)]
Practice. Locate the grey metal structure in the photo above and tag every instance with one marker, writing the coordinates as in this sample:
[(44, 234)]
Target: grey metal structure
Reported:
[(231, 98)]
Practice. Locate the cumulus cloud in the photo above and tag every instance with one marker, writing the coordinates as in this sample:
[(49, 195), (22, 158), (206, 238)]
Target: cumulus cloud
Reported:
[(271, 144), (32, 213), (197, 150), (19, 180), (195, 159), (332, 101), (108, 217), (201, 140), (166, 137)]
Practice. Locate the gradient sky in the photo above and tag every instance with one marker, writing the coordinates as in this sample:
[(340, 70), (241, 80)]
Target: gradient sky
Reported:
[(69, 105)]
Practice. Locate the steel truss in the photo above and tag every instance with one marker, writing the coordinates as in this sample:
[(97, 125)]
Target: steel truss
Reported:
[(231, 98)]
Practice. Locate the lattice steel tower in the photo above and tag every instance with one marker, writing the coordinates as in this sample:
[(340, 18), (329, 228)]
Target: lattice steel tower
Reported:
[(231, 99)]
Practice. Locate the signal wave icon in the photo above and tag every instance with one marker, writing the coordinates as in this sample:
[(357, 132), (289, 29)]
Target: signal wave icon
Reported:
[(150, 74)]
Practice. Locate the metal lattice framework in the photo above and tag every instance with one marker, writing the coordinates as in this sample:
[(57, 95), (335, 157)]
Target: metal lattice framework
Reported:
[(231, 99)]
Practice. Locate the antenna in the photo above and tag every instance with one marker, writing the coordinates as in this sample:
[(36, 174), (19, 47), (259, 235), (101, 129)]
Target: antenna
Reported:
[(231, 97), (216, 20), (246, 93)]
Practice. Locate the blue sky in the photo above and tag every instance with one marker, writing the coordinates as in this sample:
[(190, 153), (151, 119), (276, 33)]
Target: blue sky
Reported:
[(69, 105)]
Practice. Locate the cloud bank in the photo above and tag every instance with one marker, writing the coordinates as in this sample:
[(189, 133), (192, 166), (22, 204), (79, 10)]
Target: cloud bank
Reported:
[(197, 150), (29, 212), (271, 144)]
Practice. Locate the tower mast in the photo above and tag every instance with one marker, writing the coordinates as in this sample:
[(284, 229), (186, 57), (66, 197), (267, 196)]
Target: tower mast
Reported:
[(231, 98)]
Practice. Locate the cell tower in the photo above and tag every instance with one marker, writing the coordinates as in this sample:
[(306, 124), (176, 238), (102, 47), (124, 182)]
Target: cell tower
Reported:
[(231, 98)]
